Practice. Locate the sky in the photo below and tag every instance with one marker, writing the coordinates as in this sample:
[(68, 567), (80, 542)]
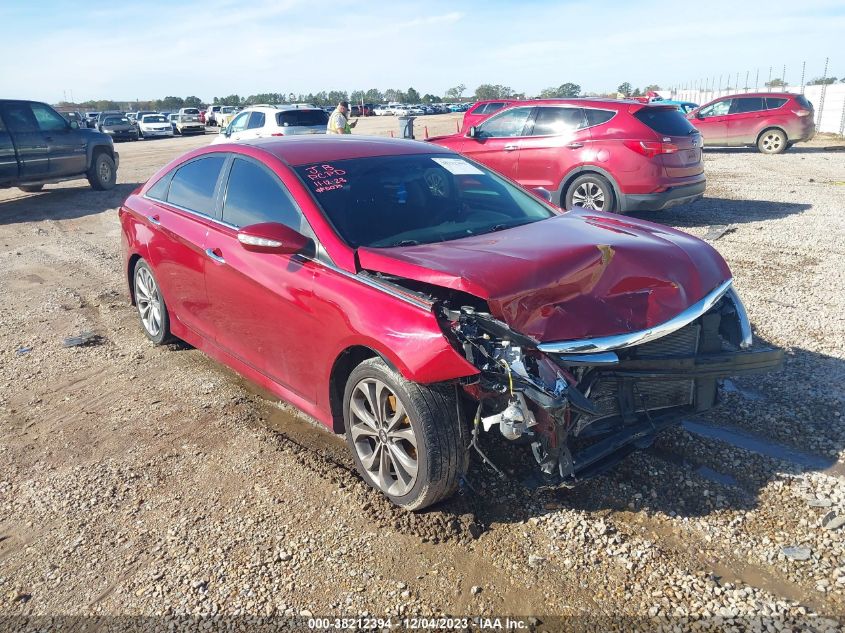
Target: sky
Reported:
[(149, 49)]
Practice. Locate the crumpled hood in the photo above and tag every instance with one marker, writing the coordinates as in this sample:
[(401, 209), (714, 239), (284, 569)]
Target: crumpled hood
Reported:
[(582, 274)]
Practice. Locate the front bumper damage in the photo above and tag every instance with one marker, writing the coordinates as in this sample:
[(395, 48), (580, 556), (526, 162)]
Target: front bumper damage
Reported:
[(587, 404)]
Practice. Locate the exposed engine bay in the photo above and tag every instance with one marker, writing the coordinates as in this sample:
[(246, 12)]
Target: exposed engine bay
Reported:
[(584, 405)]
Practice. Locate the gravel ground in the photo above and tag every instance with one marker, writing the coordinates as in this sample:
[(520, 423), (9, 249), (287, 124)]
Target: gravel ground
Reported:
[(142, 481)]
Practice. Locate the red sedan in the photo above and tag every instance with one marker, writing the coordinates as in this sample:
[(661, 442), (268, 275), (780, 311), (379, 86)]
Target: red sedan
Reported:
[(414, 300)]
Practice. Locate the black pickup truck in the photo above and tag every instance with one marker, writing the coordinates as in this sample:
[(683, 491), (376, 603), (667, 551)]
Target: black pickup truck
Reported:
[(38, 146)]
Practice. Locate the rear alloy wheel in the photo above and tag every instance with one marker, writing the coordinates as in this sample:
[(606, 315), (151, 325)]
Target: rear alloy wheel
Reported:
[(152, 310), (772, 142), (590, 191), (405, 438)]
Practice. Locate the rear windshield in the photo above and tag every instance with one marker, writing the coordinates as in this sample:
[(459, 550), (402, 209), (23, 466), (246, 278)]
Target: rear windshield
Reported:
[(302, 117), (388, 201), (190, 111), (669, 122), (803, 102)]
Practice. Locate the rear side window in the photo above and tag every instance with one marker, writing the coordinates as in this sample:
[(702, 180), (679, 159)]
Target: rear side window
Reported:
[(256, 119), (772, 103), (302, 117), (159, 190), (19, 117), (193, 184), (747, 104), (597, 117), (255, 195), (553, 121), (669, 122), (803, 102)]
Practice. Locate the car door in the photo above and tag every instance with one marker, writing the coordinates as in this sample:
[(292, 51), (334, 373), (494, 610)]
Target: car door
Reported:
[(555, 142), (744, 119), (261, 302), (254, 126), (712, 122), (237, 128), (497, 140), (66, 147), (30, 143), (8, 160), (181, 207)]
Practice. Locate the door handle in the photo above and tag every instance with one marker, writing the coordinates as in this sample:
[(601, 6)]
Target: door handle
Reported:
[(510, 148), (575, 145), (154, 220), (218, 258)]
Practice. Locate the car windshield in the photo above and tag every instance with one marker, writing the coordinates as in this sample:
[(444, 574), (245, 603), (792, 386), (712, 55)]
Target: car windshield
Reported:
[(388, 201), (116, 120), (154, 118)]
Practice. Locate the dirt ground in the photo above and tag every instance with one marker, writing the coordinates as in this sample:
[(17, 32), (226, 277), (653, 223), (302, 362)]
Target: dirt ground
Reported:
[(149, 482)]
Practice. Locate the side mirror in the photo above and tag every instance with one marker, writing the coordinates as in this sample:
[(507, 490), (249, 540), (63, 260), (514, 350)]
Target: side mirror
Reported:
[(543, 193), (272, 237), (473, 132), (74, 125)]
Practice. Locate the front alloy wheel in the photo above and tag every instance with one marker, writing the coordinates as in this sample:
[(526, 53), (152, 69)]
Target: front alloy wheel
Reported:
[(383, 437), (406, 439)]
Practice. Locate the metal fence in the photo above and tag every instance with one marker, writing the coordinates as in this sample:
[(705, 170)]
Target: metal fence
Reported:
[(828, 99)]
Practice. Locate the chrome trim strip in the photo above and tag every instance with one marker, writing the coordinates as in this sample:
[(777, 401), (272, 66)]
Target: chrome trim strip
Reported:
[(600, 358), (744, 322), (619, 341), (191, 211)]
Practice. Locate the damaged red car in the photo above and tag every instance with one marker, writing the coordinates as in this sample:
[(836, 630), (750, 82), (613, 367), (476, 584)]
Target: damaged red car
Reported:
[(415, 300)]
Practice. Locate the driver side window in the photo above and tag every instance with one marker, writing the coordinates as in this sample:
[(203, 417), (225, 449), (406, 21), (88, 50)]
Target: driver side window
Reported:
[(238, 124), (47, 118), (508, 123), (720, 108)]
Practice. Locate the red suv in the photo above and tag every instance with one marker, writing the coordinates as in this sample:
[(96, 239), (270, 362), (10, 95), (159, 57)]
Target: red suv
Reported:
[(482, 110), (598, 154), (772, 122)]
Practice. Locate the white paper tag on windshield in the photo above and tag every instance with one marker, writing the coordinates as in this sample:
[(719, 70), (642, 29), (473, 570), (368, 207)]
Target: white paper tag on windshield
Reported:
[(458, 166)]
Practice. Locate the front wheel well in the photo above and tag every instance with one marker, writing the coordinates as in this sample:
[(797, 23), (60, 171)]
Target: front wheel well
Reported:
[(343, 365)]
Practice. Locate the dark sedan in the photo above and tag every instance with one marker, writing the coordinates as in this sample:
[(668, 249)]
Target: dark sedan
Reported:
[(119, 128)]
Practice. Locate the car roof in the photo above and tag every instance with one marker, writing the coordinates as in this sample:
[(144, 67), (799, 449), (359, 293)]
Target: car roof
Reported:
[(760, 94), (307, 149)]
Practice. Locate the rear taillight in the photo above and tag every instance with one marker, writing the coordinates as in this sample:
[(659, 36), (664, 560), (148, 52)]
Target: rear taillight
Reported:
[(801, 112), (277, 134), (651, 148)]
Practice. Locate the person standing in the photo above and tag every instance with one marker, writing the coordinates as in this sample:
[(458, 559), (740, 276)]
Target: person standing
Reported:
[(339, 120)]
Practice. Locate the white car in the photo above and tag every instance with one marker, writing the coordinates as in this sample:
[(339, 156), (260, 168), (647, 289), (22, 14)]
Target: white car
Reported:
[(382, 110), (262, 122), (226, 114), (154, 125)]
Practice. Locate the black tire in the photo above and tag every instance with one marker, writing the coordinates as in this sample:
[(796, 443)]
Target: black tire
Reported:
[(441, 439), (772, 141), (141, 275), (595, 192), (31, 188), (102, 175)]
